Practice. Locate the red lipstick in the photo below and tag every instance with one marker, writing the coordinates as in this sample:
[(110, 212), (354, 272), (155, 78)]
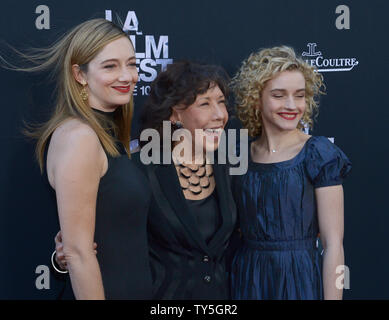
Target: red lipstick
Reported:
[(122, 89), (288, 115)]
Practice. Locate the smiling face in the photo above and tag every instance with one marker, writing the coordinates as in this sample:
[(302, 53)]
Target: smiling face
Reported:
[(111, 75), (282, 103), (205, 118)]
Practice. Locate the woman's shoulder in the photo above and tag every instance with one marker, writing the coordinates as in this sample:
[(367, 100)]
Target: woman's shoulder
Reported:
[(318, 140), (74, 149), (326, 163), (72, 127), (322, 147), (73, 139), (74, 132)]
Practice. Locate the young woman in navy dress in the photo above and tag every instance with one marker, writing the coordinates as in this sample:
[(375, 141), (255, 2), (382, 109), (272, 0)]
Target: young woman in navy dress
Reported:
[(292, 191)]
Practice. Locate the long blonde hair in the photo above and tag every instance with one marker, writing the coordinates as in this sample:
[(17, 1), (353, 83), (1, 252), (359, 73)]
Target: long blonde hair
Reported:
[(78, 46), (257, 70)]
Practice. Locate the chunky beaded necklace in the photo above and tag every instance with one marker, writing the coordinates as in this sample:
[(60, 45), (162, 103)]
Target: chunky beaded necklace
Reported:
[(194, 177)]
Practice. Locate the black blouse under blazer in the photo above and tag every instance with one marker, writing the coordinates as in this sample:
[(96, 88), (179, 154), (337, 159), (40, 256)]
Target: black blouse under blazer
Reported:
[(183, 265)]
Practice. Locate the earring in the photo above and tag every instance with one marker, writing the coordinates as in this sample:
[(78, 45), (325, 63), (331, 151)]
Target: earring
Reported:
[(178, 124), (84, 94)]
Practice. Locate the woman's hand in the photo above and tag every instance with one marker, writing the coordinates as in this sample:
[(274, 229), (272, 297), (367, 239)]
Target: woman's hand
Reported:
[(60, 258)]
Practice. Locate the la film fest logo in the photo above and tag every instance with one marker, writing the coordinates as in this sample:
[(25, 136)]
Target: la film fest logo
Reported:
[(151, 52), (316, 59)]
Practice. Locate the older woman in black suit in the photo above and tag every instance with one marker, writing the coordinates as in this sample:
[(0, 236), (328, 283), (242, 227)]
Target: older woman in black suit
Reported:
[(192, 215)]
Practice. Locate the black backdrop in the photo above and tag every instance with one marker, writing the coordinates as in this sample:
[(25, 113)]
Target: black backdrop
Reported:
[(354, 111)]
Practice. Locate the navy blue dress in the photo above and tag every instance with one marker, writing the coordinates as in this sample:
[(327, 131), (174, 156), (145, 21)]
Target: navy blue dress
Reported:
[(279, 258)]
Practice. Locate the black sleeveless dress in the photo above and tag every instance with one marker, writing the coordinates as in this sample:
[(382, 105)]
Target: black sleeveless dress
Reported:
[(120, 233)]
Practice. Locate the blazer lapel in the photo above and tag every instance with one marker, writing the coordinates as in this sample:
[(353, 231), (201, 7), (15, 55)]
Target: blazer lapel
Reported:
[(226, 206), (172, 195)]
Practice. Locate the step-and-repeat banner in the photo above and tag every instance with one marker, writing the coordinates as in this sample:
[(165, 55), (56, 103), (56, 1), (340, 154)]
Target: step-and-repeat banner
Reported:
[(345, 40)]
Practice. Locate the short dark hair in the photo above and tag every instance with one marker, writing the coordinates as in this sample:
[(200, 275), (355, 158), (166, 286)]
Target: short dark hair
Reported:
[(180, 84)]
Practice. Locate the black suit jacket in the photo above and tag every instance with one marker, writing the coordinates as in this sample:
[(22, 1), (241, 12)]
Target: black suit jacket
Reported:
[(183, 265)]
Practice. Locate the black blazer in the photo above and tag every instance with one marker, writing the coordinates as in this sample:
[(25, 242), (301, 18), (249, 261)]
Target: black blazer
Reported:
[(183, 265)]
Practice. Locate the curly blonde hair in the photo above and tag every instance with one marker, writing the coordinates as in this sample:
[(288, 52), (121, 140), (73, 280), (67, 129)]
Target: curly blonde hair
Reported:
[(263, 66)]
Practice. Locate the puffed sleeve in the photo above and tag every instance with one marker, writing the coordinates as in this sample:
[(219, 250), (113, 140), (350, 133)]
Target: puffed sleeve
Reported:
[(326, 164)]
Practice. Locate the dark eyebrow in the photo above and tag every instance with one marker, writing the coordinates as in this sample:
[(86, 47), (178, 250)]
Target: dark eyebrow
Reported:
[(220, 97), (116, 60)]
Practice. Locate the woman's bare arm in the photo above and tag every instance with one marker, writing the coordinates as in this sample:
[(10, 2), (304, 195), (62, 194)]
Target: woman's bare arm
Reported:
[(75, 164), (331, 224)]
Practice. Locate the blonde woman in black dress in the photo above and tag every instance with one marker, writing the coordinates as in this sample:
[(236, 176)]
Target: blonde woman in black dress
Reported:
[(83, 150)]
